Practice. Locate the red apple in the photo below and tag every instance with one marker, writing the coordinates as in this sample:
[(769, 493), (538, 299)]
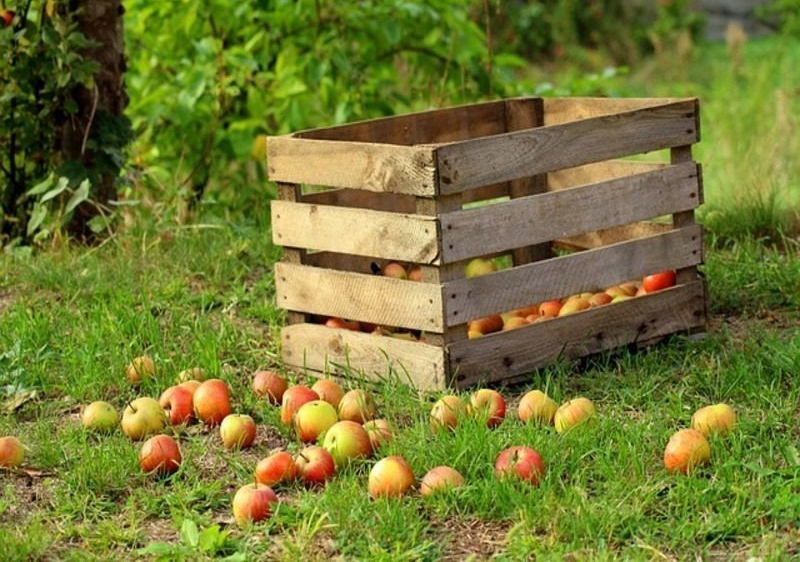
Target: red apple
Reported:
[(253, 503), (380, 432), (521, 462), (486, 325), (572, 413), (313, 419), (719, 418), (12, 452), (440, 479), (143, 417), (161, 455), (277, 468), (537, 406), (100, 417), (685, 450), (357, 405), (550, 308), (212, 401), (347, 440), (659, 281), (328, 390), (140, 368), (390, 477), (490, 404), (269, 385), (315, 465), (415, 273), (178, 403), (238, 431), (343, 324), (395, 270), (447, 411), (294, 397)]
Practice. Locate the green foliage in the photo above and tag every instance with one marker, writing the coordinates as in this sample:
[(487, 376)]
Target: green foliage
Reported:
[(786, 12), (210, 542)]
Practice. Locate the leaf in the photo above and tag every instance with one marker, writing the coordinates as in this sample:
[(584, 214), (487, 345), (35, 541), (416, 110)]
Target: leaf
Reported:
[(189, 534), (236, 557), (62, 184), (211, 539), (17, 400), (41, 187), (155, 549), (81, 194), (38, 215)]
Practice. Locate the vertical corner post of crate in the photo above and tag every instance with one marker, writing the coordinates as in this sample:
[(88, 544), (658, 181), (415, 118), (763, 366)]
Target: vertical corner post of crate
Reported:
[(292, 193)]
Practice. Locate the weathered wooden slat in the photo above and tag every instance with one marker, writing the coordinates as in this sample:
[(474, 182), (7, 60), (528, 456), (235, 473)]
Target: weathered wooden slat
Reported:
[(599, 171), (361, 232), (329, 350), (370, 166), (564, 110), (535, 219), (613, 235), (473, 163), (466, 299), (358, 198), (368, 298), (498, 357), (425, 127)]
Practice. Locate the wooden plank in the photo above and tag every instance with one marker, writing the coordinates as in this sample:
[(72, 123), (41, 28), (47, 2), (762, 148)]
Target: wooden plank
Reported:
[(599, 171), (291, 192), (562, 276), (367, 298), (613, 235), (564, 110), (501, 356), (374, 167), (363, 232), (361, 199), (473, 163), (323, 349), (424, 127), (540, 218), (685, 217)]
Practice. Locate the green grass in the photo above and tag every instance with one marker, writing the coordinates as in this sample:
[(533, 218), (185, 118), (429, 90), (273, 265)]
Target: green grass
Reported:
[(71, 319)]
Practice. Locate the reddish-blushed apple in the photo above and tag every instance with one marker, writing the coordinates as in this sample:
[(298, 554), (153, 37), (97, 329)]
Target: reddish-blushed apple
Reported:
[(390, 477), (573, 413), (238, 431), (140, 368), (440, 479), (178, 403), (514, 322), (313, 419), (415, 273), (143, 417), (659, 281), (160, 455), (599, 299), (253, 503), (357, 405), (277, 468), (394, 270), (100, 416), (269, 385), (550, 308), (212, 401), (380, 432), (294, 397), (520, 462), (538, 407), (489, 404), (12, 452), (686, 449), (343, 324), (447, 411), (718, 418), (328, 390), (486, 325), (347, 440), (315, 465)]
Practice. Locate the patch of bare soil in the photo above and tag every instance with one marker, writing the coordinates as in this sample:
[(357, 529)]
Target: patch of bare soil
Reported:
[(30, 490), (7, 298), (467, 537)]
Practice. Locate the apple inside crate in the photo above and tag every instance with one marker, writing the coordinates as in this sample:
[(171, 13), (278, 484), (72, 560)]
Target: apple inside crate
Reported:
[(552, 189)]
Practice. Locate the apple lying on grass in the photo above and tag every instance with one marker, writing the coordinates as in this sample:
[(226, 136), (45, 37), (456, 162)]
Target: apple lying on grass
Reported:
[(253, 503), (100, 417), (446, 412), (160, 455), (328, 390), (538, 407), (277, 468), (390, 477), (520, 462), (193, 374), (178, 403), (440, 479), (294, 397), (140, 368), (313, 419), (718, 418), (315, 465), (357, 405), (347, 440), (686, 449), (490, 405), (269, 385), (238, 431), (380, 432), (573, 413), (12, 452), (143, 417), (212, 401)]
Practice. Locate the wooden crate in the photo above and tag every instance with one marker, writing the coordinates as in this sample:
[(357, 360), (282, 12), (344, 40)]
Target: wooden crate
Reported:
[(554, 176)]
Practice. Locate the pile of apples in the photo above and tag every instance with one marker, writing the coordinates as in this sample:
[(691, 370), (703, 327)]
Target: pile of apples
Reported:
[(689, 448)]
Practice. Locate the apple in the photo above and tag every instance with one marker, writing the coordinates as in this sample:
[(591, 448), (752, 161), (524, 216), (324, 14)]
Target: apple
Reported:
[(380, 432), (269, 385), (193, 374), (161, 455), (640, 291), (514, 322), (440, 479), (685, 450), (143, 417), (572, 413), (474, 334), (620, 298), (550, 308), (537, 406), (447, 411), (191, 386), (390, 477), (487, 324), (313, 419), (140, 368), (178, 402), (357, 405), (212, 401), (294, 397), (395, 270), (415, 273), (328, 390), (343, 324), (100, 417), (599, 299), (7, 17), (719, 418), (12, 452), (573, 305), (253, 503), (238, 431), (623, 289), (277, 468), (479, 266), (347, 440), (315, 465), (490, 404), (659, 281), (521, 462)]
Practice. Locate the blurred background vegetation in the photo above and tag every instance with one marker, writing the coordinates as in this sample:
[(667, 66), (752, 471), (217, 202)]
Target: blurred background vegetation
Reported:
[(207, 81)]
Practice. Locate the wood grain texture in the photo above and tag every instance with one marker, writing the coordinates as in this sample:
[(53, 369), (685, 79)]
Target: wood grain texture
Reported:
[(599, 171), (566, 109), (466, 299), (374, 167), (474, 163), (329, 350), (535, 219), (364, 232), (367, 298), (502, 356), (292, 192), (612, 235)]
